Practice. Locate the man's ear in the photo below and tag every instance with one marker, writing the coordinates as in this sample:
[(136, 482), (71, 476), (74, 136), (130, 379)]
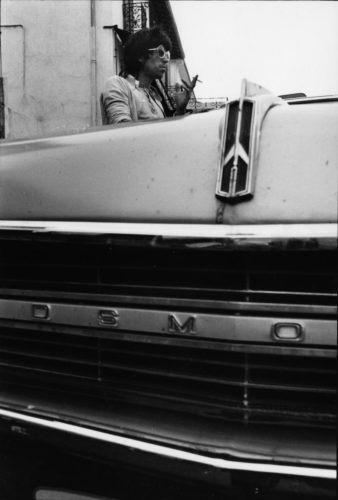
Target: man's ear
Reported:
[(142, 60)]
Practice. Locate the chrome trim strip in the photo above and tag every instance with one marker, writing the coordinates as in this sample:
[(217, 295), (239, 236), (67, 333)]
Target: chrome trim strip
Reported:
[(169, 452), (183, 323), (260, 231), (313, 99), (177, 302)]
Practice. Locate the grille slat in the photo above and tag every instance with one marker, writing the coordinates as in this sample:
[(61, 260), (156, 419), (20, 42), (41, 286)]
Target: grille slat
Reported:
[(177, 375), (46, 370)]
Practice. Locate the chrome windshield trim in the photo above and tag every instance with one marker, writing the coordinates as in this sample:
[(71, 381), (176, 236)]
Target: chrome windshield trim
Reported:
[(171, 452), (219, 231)]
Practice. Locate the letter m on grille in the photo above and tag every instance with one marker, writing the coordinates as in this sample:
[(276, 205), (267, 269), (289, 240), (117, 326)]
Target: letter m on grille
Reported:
[(177, 325)]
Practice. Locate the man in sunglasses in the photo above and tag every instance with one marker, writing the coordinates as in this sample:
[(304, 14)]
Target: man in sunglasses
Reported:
[(132, 97)]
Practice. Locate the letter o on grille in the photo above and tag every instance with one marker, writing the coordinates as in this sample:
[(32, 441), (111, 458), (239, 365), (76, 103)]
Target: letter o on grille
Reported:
[(288, 332)]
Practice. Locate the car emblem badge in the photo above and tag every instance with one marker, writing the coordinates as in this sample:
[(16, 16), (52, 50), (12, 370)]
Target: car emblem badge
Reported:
[(240, 136), (234, 181)]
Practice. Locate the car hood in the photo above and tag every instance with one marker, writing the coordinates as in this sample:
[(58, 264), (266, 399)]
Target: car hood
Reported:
[(166, 171)]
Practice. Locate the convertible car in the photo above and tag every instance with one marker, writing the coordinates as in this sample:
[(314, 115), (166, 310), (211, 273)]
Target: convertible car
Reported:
[(167, 305)]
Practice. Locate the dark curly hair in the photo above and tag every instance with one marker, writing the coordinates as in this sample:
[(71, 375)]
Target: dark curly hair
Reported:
[(137, 46)]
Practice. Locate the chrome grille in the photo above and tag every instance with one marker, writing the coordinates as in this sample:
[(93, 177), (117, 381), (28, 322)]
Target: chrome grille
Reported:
[(194, 376), (216, 383), (140, 270)]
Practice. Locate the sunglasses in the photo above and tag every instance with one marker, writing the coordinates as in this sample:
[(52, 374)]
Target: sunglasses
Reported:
[(161, 52)]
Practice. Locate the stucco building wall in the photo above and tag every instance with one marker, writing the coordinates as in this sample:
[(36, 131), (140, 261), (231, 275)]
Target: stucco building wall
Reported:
[(55, 63)]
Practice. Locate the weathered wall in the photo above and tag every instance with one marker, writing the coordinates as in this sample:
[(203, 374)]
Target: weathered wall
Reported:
[(55, 63)]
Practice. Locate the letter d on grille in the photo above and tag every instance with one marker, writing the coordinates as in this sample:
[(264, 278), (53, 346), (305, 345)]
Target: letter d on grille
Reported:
[(176, 325)]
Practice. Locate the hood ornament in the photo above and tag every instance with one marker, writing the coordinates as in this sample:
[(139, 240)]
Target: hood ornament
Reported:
[(240, 141)]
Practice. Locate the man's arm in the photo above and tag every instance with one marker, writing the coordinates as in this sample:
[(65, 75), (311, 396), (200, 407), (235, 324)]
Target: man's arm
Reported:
[(116, 101)]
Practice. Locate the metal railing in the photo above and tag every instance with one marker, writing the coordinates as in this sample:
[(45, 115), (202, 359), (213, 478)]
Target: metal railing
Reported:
[(135, 15), (202, 102), (208, 103)]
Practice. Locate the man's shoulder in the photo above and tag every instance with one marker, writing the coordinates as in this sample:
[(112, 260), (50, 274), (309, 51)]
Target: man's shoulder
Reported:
[(121, 84), (116, 82)]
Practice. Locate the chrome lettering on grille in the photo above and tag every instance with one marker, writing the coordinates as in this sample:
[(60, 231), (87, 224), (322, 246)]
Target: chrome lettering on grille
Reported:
[(288, 332), (18, 429), (108, 317), (227, 326), (175, 325), (41, 311)]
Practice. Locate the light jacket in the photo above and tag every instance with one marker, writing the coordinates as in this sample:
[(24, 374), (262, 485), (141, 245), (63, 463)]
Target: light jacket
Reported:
[(123, 101)]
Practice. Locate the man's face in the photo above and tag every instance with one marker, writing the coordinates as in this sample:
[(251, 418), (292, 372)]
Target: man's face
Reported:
[(156, 64)]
